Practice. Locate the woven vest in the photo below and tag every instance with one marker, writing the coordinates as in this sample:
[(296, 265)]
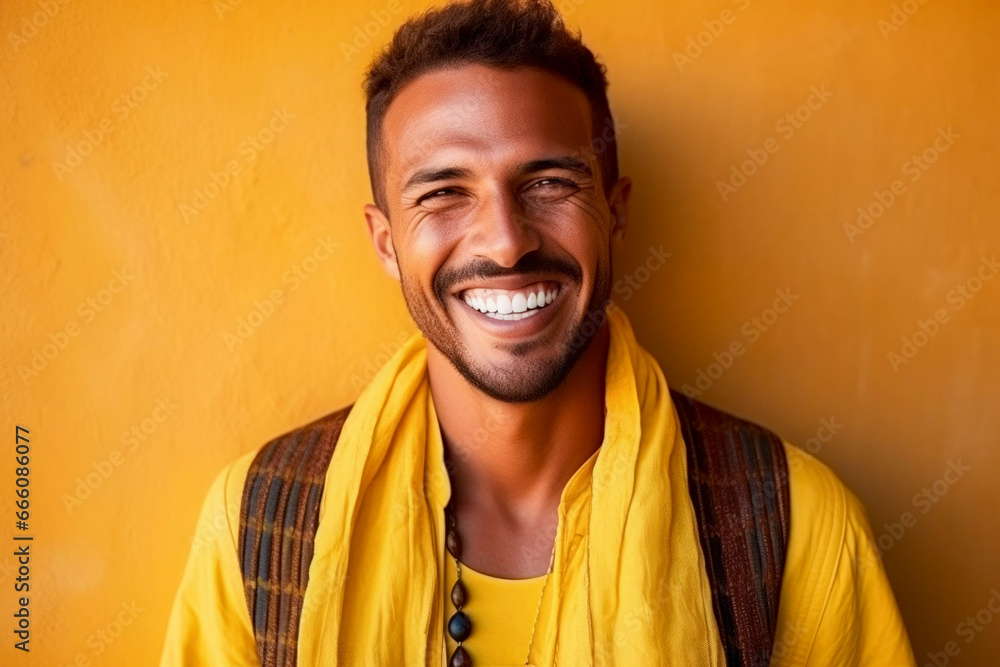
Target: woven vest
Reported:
[(737, 480)]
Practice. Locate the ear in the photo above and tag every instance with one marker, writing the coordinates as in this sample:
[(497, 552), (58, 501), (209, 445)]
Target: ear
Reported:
[(381, 234), (618, 200)]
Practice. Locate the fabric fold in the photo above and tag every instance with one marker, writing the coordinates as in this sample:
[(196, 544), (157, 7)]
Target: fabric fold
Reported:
[(627, 556)]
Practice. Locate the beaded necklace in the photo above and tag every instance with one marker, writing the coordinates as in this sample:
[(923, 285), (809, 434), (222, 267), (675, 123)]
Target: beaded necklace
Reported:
[(459, 625)]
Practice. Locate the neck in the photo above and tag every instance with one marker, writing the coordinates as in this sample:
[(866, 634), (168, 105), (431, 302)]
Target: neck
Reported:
[(511, 461)]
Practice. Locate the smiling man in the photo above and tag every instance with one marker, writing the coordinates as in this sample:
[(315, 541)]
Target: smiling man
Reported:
[(519, 485)]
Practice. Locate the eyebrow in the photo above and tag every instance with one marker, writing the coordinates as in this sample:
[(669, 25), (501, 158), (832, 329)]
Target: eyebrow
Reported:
[(425, 176), (569, 163)]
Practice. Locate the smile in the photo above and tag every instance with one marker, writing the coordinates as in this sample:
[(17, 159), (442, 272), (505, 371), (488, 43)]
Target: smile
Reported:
[(502, 304)]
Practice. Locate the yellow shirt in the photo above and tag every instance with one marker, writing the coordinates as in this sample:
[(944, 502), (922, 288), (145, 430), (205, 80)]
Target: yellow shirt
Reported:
[(836, 606), (502, 612)]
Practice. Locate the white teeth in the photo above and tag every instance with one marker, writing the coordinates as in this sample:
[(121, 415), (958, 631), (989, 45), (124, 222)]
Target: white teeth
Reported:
[(504, 304), (519, 303)]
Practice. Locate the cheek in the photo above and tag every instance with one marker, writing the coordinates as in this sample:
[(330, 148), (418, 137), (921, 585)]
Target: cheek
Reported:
[(582, 239), (583, 226), (424, 251), (433, 234)]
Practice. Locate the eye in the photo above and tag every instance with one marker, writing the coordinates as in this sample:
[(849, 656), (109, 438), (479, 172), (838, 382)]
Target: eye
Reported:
[(551, 189), (553, 183), (437, 194)]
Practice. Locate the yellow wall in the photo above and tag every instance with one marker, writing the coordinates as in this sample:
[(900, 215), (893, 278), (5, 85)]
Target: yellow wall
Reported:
[(137, 301)]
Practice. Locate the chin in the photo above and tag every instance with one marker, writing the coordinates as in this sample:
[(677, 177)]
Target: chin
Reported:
[(521, 378)]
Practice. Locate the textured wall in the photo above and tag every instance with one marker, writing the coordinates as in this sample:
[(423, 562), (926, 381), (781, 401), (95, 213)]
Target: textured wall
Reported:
[(186, 272)]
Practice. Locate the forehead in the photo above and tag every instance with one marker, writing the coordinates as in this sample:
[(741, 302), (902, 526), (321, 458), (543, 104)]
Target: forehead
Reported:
[(474, 112)]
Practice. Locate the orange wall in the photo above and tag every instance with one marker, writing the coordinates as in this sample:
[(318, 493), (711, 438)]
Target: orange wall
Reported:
[(127, 273)]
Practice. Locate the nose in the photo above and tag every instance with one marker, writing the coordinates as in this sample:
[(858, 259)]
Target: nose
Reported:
[(502, 232)]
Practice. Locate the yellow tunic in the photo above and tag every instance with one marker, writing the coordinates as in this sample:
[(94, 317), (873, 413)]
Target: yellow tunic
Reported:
[(836, 605)]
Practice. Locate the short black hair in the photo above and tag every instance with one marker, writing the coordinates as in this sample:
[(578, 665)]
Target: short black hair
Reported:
[(506, 34)]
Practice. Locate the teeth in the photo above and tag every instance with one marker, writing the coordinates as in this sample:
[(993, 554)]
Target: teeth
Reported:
[(509, 304), (519, 303)]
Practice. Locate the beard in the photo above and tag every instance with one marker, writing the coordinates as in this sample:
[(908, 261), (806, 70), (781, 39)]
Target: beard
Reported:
[(518, 381)]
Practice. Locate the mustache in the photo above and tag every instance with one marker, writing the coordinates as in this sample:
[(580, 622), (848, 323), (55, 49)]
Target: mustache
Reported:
[(534, 262)]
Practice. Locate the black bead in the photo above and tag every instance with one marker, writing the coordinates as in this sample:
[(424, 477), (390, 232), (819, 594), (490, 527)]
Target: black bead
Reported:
[(460, 658), (459, 626)]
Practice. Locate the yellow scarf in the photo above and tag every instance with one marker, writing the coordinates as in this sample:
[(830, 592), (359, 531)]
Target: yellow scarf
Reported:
[(628, 585)]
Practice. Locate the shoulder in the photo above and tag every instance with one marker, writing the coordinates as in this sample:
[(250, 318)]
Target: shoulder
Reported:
[(283, 483), (732, 454), (829, 525), (836, 605), (815, 491), (301, 452), (836, 602), (220, 513), (824, 509)]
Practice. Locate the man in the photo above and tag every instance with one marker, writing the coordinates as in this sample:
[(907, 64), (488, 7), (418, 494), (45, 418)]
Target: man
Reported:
[(518, 485)]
